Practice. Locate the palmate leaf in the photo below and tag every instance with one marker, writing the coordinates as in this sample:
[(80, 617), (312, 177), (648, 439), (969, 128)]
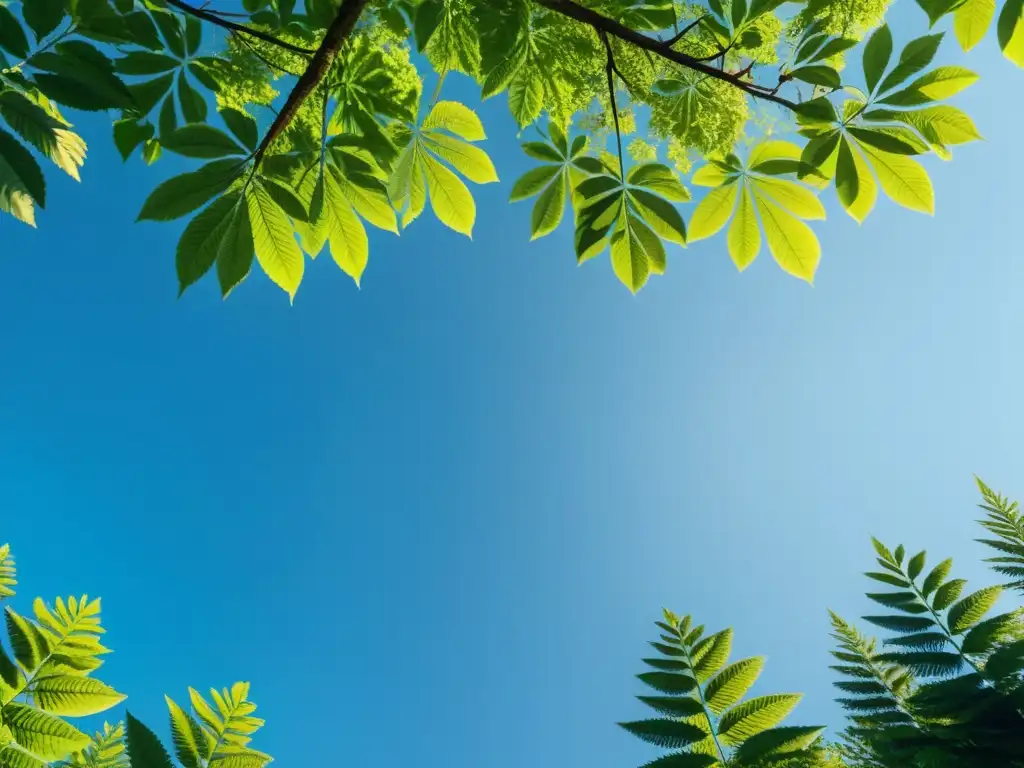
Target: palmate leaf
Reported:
[(183, 194), (201, 241), (276, 248)]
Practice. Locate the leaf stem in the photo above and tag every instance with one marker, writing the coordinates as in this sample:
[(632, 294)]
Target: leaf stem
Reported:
[(610, 70), (701, 699)]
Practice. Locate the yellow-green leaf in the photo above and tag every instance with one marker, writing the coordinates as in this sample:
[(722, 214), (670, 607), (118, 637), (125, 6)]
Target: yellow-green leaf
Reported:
[(773, 150), (971, 21), (709, 175), (1010, 31), (451, 202), (73, 696), (902, 179), (744, 236), (756, 715), (629, 260), (713, 212), (456, 118), (273, 237), (44, 735), (795, 198), (944, 82), (547, 211), (472, 162), (792, 243)]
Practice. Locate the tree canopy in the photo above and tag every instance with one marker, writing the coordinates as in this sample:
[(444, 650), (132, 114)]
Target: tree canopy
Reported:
[(310, 119)]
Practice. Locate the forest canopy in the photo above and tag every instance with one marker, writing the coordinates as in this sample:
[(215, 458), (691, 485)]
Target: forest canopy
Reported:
[(653, 123)]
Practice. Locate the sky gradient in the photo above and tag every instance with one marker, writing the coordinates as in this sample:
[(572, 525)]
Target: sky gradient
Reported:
[(432, 520)]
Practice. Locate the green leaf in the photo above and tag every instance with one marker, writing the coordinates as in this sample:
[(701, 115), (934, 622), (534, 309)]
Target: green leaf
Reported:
[(533, 181), (744, 236), (193, 35), (669, 734), (144, 748), (794, 197), (659, 179), (1010, 31), (885, 141), (145, 63), (277, 251), (234, 257), (903, 624), (940, 83), (456, 118), (44, 735), (43, 16), (350, 247), (27, 173), (818, 74), (948, 593), (916, 565), (984, 636), (242, 126), (834, 47), (885, 578), (777, 742), (925, 663), (729, 685), (12, 36), (73, 696), (935, 578), (181, 195), (755, 716), (470, 161), (917, 55), (499, 78), (630, 260), (151, 151), (877, 53), (540, 151), (190, 742), (168, 117), (525, 100), (201, 140), (674, 706), (286, 199), (668, 682), (713, 212), (711, 653), (148, 94), (129, 134), (971, 609), (450, 200), (170, 28), (200, 242), (971, 21), (193, 105), (791, 242), (547, 211), (942, 124), (902, 179)]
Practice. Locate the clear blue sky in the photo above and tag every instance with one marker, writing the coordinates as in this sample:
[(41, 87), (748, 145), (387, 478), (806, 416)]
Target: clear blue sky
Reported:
[(432, 520)]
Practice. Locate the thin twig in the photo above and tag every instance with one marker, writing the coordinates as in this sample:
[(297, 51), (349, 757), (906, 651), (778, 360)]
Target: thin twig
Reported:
[(682, 33), (215, 18), (255, 52), (610, 70)]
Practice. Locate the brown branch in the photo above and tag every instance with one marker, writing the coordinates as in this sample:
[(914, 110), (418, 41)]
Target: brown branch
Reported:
[(214, 18), (610, 26), (344, 22)]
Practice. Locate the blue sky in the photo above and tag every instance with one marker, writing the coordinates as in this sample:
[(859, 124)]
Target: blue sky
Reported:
[(433, 520)]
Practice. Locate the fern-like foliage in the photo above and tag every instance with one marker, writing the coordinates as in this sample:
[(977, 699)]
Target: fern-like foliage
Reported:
[(1004, 520), (703, 717), (947, 691), (217, 736), (8, 573), (107, 750), (47, 677)]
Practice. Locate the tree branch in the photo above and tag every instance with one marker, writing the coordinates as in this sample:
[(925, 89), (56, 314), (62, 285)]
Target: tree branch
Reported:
[(215, 18), (344, 22), (611, 27)]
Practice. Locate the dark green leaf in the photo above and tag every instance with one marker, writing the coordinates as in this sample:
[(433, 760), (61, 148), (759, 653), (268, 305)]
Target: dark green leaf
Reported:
[(876, 56), (916, 565), (541, 151), (818, 74), (883, 141), (193, 35), (917, 55), (834, 48), (129, 134), (287, 199), (242, 126), (25, 167), (201, 240), (43, 16), (938, 575), (168, 116), (428, 16), (777, 742), (12, 36), (200, 140), (674, 706), (234, 258), (666, 682), (144, 748), (948, 593), (885, 578), (170, 28), (901, 623), (148, 94), (145, 63), (670, 734), (181, 195), (809, 46), (193, 105)]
